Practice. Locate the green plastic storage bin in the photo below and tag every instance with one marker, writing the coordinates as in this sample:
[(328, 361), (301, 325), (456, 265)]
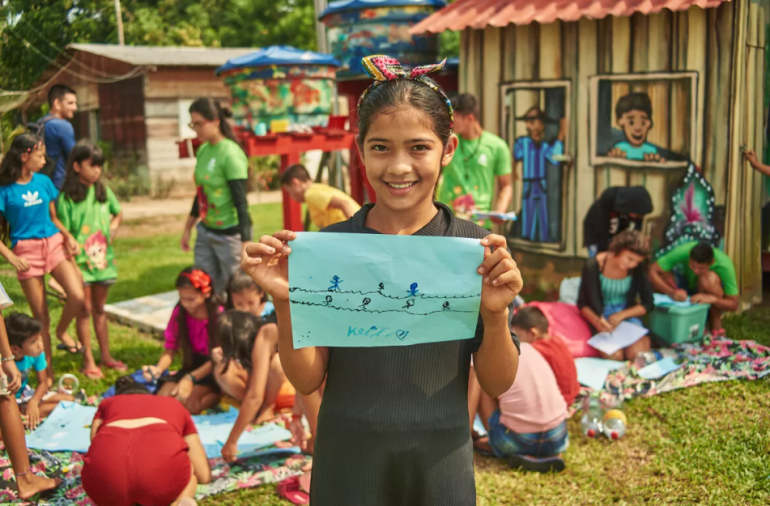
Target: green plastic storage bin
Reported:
[(675, 324)]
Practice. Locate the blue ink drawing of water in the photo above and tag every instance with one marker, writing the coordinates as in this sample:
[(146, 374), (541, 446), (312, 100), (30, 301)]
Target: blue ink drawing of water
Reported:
[(363, 290)]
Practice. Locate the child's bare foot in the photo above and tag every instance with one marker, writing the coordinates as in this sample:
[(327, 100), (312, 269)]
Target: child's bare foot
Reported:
[(30, 484)]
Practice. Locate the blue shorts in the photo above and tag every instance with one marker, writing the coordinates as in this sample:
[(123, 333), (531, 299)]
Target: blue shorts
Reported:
[(505, 442)]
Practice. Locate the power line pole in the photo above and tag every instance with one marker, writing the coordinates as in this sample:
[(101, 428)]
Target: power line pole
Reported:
[(119, 18)]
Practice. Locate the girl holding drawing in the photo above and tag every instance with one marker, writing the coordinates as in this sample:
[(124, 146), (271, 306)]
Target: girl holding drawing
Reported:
[(614, 287), (192, 327), (393, 427)]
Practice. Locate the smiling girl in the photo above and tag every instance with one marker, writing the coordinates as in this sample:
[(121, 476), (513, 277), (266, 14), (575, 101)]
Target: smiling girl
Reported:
[(393, 426), (40, 244), (90, 211)]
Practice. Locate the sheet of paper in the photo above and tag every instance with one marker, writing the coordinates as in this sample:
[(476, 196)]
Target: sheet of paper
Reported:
[(67, 428), (365, 290), (659, 369), (477, 215), (624, 335), (592, 372), (664, 300), (215, 429)]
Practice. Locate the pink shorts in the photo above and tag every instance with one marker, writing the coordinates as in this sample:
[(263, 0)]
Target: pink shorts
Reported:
[(42, 255)]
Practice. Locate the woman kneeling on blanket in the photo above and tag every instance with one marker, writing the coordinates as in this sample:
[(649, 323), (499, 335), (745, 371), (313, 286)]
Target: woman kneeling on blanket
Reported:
[(614, 287), (144, 450)]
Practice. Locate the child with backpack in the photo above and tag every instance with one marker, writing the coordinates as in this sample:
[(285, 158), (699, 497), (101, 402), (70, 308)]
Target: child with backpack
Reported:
[(90, 211)]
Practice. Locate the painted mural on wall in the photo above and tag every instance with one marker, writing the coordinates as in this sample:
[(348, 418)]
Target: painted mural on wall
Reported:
[(643, 119), (384, 30), (303, 95), (694, 216), (536, 123)]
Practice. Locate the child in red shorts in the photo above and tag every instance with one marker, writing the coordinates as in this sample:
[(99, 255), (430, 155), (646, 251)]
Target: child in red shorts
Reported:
[(39, 243)]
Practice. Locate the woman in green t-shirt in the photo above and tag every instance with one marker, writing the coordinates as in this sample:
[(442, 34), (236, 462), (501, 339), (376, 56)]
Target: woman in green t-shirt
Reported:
[(220, 208)]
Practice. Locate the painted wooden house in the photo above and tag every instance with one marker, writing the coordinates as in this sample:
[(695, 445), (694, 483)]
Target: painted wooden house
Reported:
[(694, 68), (137, 98)]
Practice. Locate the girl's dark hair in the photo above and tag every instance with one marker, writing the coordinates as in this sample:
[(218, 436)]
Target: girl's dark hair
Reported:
[(11, 168), (530, 317), (240, 282), (630, 240), (126, 385), (237, 332), (212, 308), (212, 111), (391, 95), (72, 186)]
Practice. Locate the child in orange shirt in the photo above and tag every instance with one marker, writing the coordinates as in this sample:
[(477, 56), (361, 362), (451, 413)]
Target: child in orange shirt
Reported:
[(531, 325)]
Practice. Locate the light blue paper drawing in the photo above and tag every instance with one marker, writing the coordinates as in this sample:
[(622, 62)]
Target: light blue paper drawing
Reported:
[(659, 369), (67, 428), (215, 429), (661, 299), (364, 290), (592, 372)]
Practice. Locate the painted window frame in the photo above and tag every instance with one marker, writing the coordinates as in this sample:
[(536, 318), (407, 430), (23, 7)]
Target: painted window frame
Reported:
[(567, 166), (593, 119)]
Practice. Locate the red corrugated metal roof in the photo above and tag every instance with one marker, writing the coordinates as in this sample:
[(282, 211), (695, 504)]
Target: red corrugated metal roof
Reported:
[(479, 14)]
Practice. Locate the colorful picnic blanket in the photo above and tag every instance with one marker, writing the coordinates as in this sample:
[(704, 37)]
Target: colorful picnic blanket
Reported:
[(718, 359), (252, 472)]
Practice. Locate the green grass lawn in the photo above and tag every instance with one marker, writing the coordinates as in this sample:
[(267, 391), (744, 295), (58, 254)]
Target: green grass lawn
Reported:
[(704, 445)]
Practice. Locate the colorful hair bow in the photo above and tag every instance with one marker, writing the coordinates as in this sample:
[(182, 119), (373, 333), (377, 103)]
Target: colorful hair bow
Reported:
[(385, 68), (200, 280)]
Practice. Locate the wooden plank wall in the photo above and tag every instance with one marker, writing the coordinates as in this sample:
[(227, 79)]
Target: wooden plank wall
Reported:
[(721, 45), (122, 115)]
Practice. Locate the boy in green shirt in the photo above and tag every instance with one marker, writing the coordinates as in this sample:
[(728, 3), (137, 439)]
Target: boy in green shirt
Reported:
[(706, 273), (481, 160)]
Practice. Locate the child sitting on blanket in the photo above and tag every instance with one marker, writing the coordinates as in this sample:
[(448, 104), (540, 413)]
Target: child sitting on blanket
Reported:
[(531, 325), (250, 371), (24, 335), (527, 425)]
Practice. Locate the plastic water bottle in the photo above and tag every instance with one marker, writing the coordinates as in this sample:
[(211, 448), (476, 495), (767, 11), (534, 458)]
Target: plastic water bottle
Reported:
[(591, 423), (615, 424)]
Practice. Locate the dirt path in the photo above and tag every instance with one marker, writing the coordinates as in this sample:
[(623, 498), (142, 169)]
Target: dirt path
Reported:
[(154, 208)]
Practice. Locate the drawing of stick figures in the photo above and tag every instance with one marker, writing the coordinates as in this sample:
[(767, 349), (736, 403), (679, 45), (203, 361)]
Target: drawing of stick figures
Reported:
[(409, 304), (412, 290), (382, 286), (364, 303), (445, 307), (328, 300), (335, 284)]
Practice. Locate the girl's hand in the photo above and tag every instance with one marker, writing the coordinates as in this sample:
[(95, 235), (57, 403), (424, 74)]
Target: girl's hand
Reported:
[(615, 319), (502, 279), (298, 434), (217, 355), (751, 157), (230, 451), (183, 389), (73, 248), (12, 376), (19, 263), (33, 414), (185, 242), (267, 262), (151, 372), (680, 295), (603, 325), (113, 233)]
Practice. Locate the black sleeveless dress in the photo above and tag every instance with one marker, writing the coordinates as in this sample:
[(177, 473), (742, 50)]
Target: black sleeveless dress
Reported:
[(393, 426)]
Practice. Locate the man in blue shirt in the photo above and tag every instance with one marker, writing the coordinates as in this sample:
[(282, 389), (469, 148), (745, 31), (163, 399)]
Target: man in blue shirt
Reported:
[(532, 151), (57, 130)]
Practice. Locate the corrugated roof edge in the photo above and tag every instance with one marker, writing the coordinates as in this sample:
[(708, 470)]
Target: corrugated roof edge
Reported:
[(352, 5)]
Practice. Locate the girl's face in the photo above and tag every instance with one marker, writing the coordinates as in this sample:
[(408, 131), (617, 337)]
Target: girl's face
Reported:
[(403, 157), (248, 301), (34, 160), (89, 173), (629, 260), (204, 129), (191, 299)]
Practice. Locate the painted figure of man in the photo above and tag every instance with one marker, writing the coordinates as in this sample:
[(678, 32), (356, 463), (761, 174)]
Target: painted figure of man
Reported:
[(532, 152)]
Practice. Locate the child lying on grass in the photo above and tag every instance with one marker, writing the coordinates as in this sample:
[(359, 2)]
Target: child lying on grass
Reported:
[(24, 335)]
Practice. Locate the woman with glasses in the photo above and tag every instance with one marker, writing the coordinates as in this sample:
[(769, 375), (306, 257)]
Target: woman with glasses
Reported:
[(220, 209)]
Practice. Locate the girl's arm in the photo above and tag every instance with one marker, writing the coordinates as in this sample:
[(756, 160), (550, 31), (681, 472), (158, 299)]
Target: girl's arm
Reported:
[(18, 263), (497, 359), (115, 225), (189, 224), (305, 368), (251, 406), (95, 427), (636, 311), (33, 406), (165, 361), (751, 156), (72, 246), (197, 454)]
